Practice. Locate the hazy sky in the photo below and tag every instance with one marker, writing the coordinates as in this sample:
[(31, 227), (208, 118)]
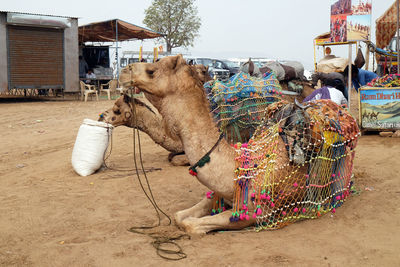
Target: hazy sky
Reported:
[(281, 29)]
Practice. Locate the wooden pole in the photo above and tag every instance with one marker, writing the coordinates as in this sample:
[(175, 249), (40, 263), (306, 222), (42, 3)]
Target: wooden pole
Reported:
[(116, 47), (349, 83)]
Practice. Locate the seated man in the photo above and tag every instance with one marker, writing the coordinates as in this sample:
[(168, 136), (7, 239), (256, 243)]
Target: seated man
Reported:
[(327, 92), (90, 75)]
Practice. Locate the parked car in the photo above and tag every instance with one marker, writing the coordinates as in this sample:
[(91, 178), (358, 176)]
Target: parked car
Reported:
[(227, 65)]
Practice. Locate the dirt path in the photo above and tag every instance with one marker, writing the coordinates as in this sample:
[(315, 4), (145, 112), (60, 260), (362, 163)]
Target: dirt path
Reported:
[(50, 216)]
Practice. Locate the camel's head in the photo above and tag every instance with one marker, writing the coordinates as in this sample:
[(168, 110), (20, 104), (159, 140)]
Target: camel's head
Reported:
[(160, 79), (121, 113), (202, 72)]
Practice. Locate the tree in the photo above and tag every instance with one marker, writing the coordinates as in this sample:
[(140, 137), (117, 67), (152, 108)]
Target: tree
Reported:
[(177, 19)]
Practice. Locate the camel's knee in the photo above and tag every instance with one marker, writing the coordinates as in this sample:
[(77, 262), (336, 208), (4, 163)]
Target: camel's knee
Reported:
[(201, 209), (179, 160), (193, 226)]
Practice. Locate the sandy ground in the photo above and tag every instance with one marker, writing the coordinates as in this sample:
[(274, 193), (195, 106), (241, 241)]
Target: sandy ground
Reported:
[(50, 216)]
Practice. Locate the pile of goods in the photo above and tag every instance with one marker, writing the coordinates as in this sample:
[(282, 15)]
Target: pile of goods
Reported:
[(297, 165), (238, 105), (389, 80)]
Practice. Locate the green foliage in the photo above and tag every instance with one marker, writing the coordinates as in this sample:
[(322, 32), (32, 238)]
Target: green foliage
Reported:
[(177, 19)]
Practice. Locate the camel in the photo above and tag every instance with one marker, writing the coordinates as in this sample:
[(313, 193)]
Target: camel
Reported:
[(365, 115), (172, 87), (374, 115), (149, 121)]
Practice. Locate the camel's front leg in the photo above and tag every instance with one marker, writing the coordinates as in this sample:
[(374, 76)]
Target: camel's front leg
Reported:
[(216, 222), (201, 209)]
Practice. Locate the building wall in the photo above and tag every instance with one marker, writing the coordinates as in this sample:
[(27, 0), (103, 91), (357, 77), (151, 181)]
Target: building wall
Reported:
[(71, 54), (71, 57), (3, 53)]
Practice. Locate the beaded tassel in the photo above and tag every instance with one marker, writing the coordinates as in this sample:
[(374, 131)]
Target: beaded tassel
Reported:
[(218, 203)]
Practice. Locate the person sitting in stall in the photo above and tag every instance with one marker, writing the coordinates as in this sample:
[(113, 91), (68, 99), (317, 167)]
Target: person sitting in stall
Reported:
[(328, 54), (327, 92), (359, 77), (90, 75)]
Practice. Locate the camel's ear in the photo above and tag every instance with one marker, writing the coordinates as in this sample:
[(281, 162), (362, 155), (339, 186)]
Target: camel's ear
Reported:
[(251, 67), (177, 61), (207, 68), (127, 99)]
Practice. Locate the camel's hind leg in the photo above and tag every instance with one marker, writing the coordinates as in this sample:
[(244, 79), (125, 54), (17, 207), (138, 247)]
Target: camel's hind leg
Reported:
[(216, 222), (201, 209)]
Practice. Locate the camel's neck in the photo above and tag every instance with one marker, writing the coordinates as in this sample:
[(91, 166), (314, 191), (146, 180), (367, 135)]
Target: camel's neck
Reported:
[(189, 117), (151, 123)]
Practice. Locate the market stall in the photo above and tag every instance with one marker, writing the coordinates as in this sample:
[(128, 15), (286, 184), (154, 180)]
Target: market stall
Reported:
[(113, 31)]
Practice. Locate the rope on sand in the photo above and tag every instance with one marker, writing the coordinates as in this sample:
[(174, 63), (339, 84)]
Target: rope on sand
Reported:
[(160, 242)]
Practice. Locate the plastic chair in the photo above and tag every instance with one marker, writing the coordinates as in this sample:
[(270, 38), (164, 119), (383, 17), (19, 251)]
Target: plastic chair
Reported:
[(121, 90), (87, 89), (109, 87)]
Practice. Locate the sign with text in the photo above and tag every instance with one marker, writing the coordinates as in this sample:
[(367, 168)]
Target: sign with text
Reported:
[(351, 20), (380, 108)]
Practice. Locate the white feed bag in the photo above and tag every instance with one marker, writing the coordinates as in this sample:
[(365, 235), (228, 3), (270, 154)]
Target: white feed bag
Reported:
[(90, 146)]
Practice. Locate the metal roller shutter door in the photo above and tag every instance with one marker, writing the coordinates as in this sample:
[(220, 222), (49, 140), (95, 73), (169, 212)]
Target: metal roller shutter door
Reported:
[(36, 58)]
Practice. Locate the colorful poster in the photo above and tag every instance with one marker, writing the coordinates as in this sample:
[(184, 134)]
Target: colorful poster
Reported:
[(351, 20), (380, 108), (358, 27)]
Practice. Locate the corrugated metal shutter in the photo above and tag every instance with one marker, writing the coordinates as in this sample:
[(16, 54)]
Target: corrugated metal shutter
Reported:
[(36, 58)]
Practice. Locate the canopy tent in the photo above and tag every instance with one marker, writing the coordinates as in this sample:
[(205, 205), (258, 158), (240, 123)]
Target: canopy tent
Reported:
[(386, 26), (113, 31)]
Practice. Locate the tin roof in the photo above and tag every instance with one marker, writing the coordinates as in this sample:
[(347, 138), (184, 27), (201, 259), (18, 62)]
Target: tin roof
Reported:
[(16, 12)]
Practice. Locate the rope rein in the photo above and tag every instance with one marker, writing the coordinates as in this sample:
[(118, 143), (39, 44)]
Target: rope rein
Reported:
[(159, 242)]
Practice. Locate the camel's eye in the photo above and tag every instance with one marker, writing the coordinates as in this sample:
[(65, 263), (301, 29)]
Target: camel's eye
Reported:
[(118, 112), (150, 72)]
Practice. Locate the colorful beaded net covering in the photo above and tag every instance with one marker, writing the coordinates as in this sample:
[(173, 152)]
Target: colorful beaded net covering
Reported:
[(389, 80), (314, 175), (238, 105)]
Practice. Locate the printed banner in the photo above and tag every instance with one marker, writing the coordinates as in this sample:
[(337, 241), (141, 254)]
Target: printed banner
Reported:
[(380, 108), (351, 20)]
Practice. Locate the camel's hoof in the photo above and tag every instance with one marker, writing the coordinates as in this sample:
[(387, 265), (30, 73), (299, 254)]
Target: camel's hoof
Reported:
[(191, 226)]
